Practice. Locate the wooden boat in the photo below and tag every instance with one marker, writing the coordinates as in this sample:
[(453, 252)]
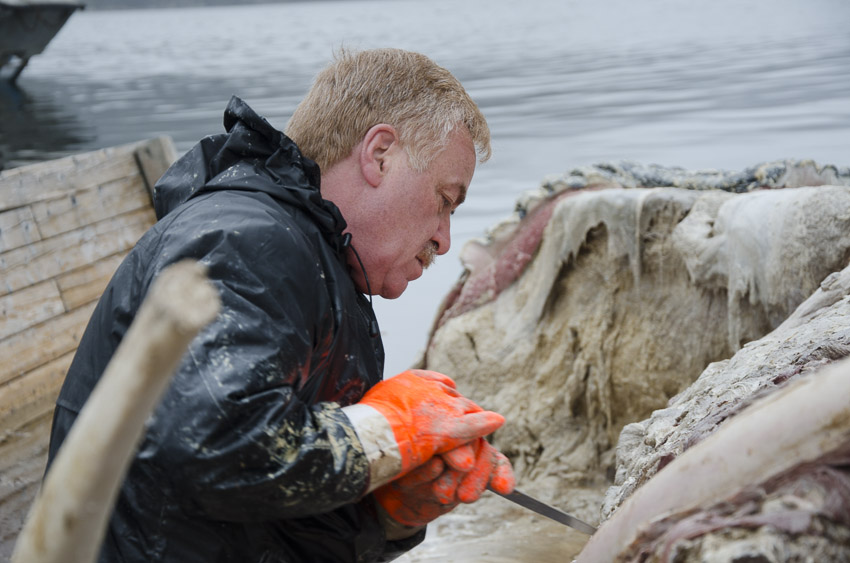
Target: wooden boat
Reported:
[(26, 27), (65, 225)]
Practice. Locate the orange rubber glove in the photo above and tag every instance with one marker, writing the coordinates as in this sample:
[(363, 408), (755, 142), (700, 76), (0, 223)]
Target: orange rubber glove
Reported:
[(427, 415), (435, 488), (489, 467), (412, 500)]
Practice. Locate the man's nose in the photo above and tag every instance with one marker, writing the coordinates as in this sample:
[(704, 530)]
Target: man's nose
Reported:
[(443, 237)]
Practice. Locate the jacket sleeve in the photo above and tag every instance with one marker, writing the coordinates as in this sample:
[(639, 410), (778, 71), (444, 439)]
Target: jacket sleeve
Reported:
[(231, 435)]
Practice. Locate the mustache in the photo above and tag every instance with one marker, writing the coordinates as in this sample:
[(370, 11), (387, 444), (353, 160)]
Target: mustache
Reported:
[(428, 254)]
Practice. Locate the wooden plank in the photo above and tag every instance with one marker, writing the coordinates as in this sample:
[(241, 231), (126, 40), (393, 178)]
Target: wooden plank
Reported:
[(77, 209), (87, 284), (17, 228), (20, 448), (23, 457), (26, 398), (41, 344), (28, 307), (15, 507), (154, 158), (46, 180), (76, 249), (65, 225)]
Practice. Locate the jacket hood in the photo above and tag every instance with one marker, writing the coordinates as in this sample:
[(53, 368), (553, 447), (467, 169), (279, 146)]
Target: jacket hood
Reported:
[(251, 156)]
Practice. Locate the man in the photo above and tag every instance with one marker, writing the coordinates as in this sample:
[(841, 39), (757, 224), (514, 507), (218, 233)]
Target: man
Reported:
[(276, 440)]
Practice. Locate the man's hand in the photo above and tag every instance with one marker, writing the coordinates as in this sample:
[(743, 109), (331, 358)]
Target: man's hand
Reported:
[(427, 415), (480, 465), (418, 497), (443, 482)]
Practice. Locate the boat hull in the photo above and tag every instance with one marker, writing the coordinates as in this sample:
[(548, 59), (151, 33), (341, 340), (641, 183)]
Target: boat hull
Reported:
[(27, 28)]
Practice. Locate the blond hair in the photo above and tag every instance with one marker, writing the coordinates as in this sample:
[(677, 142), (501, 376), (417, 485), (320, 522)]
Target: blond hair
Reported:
[(423, 101)]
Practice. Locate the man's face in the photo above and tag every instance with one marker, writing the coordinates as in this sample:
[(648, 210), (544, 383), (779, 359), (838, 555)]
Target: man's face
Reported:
[(413, 220)]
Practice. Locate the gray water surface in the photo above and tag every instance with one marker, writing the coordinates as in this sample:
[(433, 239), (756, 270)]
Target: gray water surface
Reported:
[(563, 83)]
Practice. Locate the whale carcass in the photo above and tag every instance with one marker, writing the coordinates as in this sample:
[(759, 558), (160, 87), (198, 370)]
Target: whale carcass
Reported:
[(613, 288)]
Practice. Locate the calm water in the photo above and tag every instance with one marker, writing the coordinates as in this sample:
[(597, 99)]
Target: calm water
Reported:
[(564, 83)]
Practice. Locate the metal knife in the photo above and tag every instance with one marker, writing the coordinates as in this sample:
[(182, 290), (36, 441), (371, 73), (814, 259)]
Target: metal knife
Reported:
[(544, 509)]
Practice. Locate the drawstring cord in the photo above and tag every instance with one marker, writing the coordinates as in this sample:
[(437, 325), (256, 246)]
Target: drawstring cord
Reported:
[(346, 243)]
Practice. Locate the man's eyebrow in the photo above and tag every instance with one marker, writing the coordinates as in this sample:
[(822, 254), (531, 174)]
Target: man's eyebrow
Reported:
[(461, 195)]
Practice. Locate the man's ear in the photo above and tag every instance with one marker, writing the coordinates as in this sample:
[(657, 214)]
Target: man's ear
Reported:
[(377, 145)]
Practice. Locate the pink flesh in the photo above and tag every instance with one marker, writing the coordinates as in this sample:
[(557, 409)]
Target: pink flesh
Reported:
[(485, 284)]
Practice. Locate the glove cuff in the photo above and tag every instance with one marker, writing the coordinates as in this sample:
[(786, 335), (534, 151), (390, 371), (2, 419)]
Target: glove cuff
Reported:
[(376, 435)]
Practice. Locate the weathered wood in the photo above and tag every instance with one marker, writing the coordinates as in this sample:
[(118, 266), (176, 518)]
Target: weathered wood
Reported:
[(61, 254), (40, 344), (28, 307), (65, 225), (154, 158), (19, 488), (24, 399), (29, 444), (17, 228), (47, 180), (23, 457), (85, 207), (14, 507), (86, 284), (68, 519), (24, 452)]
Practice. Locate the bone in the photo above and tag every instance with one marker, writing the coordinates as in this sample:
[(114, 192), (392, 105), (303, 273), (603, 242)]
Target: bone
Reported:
[(68, 519), (763, 440)]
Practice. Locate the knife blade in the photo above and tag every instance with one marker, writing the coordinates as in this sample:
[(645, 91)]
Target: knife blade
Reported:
[(546, 510)]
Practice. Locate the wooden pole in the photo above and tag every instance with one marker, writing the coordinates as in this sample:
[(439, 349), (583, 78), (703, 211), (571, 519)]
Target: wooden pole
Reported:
[(68, 520)]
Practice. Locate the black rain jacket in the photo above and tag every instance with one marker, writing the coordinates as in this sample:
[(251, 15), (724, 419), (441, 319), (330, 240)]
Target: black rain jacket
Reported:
[(248, 458)]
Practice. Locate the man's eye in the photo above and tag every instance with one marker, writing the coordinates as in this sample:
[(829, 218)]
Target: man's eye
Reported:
[(447, 203)]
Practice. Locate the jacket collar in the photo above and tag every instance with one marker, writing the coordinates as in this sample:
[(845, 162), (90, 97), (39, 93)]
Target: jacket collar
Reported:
[(251, 156)]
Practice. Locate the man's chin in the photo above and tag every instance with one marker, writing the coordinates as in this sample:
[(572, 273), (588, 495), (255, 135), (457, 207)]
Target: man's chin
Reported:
[(393, 290), (392, 293)]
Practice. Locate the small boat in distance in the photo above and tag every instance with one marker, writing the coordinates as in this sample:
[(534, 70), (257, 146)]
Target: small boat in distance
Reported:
[(26, 27)]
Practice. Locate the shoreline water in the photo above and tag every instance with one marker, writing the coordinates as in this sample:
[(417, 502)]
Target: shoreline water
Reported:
[(563, 84)]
